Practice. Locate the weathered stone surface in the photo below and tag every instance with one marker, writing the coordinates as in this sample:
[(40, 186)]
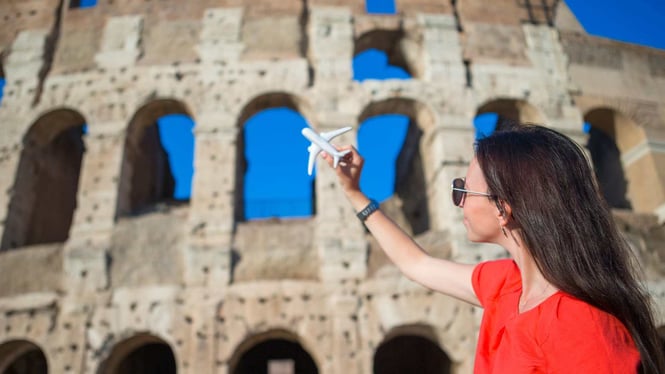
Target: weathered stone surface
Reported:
[(147, 250), (18, 269), (208, 286), (275, 250)]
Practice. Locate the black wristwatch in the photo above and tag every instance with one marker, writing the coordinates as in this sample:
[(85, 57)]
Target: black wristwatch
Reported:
[(372, 207)]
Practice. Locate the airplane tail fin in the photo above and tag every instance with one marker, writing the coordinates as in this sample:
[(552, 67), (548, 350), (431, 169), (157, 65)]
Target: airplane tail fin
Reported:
[(339, 155)]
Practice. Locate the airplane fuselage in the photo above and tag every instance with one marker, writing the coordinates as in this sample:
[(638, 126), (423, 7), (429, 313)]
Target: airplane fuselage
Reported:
[(319, 141)]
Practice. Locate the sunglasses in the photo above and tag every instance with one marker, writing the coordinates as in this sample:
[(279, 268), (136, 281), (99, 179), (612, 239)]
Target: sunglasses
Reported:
[(459, 192)]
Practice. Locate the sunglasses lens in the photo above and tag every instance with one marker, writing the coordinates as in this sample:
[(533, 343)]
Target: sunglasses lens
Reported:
[(458, 183), (457, 197)]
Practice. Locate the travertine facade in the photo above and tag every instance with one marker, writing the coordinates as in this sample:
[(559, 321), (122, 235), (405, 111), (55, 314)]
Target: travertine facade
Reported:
[(88, 284)]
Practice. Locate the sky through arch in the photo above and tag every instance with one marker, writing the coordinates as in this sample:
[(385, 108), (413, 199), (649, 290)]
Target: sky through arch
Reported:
[(381, 137), (177, 137), (276, 183), (380, 6), (2, 88)]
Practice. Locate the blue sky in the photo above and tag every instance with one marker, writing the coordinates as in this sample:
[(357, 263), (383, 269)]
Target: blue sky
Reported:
[(636, 21), (87, 3), (280, 186)]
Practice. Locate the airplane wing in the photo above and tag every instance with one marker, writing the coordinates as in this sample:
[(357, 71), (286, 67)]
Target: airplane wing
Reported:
[(313, 152), (329, 135)]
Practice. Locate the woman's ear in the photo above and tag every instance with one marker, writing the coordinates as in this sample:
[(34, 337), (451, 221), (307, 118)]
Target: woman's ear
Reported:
[(504, 212)]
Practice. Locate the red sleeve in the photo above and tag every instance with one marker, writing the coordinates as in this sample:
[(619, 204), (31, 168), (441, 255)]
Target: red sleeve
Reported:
[(491, 279), (591, 341)]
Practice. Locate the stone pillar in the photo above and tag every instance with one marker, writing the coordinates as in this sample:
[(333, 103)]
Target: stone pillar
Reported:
[(339, 236), (450, 151), (24, 63), (10, 156), (551, 64), (644, 165), (211, 215), (330, 38), (198, 318), (85, 256), (219, 40), (443, 52), (348, 352)]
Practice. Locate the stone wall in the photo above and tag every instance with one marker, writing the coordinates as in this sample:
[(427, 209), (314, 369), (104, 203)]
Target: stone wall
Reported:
[(137, 271)]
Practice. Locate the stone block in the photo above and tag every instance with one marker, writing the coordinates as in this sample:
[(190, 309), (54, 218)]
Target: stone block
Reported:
[(121, 42)]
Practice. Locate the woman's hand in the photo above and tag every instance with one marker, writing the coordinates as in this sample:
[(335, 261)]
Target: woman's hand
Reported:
[(348, 170)]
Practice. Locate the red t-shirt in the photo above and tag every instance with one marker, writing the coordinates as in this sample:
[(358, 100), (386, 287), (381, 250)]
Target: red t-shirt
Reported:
[(561, 335)]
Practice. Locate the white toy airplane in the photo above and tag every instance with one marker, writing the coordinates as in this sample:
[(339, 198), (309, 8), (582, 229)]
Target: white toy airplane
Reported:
[(320, 143)]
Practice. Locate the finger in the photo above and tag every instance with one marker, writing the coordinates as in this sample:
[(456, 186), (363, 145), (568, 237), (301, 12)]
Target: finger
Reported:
[(355, 157), (327, 158)]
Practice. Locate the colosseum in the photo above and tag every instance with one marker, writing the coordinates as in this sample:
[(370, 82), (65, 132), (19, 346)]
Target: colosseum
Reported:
[(106, 274)]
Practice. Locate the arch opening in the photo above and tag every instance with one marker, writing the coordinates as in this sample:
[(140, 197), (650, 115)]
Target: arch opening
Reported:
[(385, 54), (485, 124), (73, 4), (274, 354), (141, 354), (380, 6), (3, 80), (177, 138), (270, 181), (49, 166), (410, 354), (22, 357), (390, 137), (159, 140), (507, 111), (611, 135)]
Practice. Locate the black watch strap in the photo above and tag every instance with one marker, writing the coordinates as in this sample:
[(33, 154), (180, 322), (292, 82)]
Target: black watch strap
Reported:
[(372, 207)]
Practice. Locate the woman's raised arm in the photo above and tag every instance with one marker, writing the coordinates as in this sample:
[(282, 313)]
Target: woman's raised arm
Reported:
[(440, 275)]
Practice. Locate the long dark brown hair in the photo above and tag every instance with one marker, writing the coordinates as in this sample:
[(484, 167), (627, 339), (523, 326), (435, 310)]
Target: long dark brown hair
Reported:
[(568, 228)]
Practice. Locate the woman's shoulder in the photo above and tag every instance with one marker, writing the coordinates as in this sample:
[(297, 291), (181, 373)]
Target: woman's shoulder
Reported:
[(503, 268), (566, 317), (491, 279)]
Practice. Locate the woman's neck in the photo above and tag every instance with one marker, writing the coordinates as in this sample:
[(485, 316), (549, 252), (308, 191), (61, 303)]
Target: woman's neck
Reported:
[(535, 287)]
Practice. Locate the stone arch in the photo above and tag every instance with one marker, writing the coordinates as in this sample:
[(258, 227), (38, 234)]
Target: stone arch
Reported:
[(259, 103), (620, 155), (75, 4), (611, 134), (145, 176), (140, 354), (276, 99), (411, 348), (623, 130), (400, 49), (3, 79), (276, 347), (412, 163), (22, 357), (515, 110), (50, 165)]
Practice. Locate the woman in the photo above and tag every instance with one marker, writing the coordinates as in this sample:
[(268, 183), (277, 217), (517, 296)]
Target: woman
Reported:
[(568, 299)]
